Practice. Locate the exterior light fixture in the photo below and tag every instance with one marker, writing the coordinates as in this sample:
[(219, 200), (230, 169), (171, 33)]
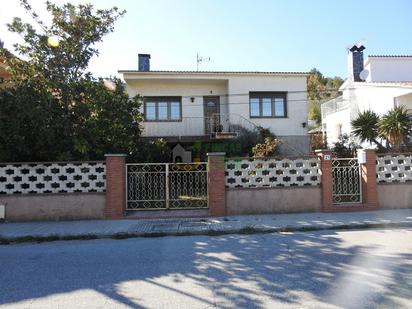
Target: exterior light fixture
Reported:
[(303, 124), (192, 99)]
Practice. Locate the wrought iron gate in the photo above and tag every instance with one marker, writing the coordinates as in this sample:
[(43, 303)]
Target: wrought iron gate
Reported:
[(166, 186), (346, 177)]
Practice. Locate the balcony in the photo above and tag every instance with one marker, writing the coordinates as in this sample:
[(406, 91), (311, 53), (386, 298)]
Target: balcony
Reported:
[(218, 126), (333, 106)]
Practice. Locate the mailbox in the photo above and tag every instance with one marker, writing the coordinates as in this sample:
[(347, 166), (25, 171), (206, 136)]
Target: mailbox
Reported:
[(361, 156)]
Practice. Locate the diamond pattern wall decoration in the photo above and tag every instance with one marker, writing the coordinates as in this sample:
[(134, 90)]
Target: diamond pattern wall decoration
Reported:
[(23, 178), (250, 173), (394, 168)]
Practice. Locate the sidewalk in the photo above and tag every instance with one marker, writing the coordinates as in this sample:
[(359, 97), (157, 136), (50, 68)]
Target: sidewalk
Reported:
[(44, 231)]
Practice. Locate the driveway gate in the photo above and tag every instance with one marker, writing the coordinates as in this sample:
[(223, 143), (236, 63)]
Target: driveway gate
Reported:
[(346, 176), (166, 186)]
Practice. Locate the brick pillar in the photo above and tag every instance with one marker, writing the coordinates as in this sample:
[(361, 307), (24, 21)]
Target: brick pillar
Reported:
[(369, 191), (325, 157), (216, 184), (115, 186)]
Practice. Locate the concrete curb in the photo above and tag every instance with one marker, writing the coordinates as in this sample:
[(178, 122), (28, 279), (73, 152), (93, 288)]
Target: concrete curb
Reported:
[(245, 230)]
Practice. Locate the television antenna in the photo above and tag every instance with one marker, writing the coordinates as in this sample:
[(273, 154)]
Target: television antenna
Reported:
[(200, 59)]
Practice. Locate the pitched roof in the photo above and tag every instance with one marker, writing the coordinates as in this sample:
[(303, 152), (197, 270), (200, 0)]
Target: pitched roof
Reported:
[(215, 72), (390, 56)]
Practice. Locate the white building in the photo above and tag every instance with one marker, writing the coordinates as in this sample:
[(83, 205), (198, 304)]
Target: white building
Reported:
[(188, 106), (379, 83)]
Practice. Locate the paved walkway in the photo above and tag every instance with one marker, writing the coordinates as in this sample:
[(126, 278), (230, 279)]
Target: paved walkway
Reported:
[(10, 232)]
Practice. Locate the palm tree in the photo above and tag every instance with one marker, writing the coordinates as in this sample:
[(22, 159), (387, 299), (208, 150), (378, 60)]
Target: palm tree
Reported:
[(396, 126), (365, 127)]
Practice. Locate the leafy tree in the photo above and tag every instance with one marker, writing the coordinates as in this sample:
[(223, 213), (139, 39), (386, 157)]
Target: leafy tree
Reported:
[(316, 85), (365, 127), (78, 29), (320, 89), (54, 108), (345, 147), (396, 126), (151, 150)]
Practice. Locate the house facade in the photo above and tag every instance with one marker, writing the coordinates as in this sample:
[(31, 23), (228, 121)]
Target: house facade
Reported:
[(379, 83), (185, 107)]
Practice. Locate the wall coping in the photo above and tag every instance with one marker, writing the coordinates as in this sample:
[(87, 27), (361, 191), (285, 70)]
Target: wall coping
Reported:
[(50, 162), (276, 188), (49, 194), (322, 150), (115, 155), (216, 154), (394, 183)]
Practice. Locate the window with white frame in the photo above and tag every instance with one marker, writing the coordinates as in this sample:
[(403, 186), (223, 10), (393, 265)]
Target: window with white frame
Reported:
[(163, 108), (267, 104)]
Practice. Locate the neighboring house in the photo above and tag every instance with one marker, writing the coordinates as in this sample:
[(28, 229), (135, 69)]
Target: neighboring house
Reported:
[(185, 107), (378, 84)]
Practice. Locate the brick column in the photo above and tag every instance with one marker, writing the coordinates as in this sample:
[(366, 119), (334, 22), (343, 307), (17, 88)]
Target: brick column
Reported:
[(325, 157), (369, 189), (115, 186), (216, 184)]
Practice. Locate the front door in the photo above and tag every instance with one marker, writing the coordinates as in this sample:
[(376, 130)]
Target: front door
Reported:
[(211, 112)]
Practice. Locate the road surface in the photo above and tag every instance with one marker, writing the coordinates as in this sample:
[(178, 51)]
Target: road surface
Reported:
[(324, 269)]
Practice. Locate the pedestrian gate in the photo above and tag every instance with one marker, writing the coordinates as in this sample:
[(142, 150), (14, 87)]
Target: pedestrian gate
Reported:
[(346, 181), (166, 186)]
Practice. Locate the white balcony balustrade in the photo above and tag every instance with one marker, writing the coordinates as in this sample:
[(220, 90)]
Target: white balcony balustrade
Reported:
[(199, 126)]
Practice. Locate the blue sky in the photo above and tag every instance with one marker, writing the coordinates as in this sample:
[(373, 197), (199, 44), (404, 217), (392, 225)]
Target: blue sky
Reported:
[(258, 35)]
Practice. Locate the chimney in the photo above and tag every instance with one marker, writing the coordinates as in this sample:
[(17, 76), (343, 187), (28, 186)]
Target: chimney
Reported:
[(144, 62), (355, 62)]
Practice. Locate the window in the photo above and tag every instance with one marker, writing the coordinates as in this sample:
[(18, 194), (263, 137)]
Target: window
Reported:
[(163, 109), (267, 104)]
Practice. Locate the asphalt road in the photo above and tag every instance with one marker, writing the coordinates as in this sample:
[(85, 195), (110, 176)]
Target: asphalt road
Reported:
[(326, 269)]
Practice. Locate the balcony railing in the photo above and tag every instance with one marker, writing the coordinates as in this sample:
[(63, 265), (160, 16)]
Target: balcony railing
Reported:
[(333, 106), (218, 125)]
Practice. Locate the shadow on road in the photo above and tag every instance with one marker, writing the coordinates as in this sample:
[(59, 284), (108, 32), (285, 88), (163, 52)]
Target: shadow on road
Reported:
[(240, 270)]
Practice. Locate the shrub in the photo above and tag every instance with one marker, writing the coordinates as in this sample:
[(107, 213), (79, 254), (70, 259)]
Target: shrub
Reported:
[(345, 147), (268, 148)]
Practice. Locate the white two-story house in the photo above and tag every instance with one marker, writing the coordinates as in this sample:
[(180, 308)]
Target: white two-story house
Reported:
[(379, 83), (184, 107)]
